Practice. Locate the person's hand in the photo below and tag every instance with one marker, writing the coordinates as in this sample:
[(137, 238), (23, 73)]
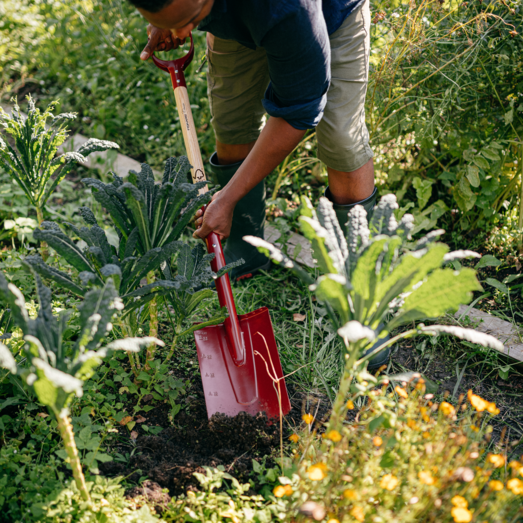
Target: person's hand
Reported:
[(217, 218), (159, 40)]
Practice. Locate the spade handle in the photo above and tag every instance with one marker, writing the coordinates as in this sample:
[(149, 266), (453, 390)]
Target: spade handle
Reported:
[(176, 69)]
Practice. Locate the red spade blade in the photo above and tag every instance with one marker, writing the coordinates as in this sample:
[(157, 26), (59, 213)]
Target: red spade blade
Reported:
[(258, 384)]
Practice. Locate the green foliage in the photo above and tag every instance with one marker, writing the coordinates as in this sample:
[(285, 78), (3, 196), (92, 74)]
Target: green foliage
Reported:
[(218, 504), (55, 368), (32, 160), (148, 215), (5, 324), (108, 505), (87, 56), (444, 105), (25, 482), (98, 260), (371, 279), (187, 290), (371, 283)]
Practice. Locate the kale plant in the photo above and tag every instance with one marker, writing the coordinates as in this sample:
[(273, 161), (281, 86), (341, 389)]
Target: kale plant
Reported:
[(373, 282), (99, 261), (148, 214), (54, 368), (186, 291), (32, 160)]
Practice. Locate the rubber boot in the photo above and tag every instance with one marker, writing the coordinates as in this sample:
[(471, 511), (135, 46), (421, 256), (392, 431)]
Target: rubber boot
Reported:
[(248, 219), (342, 212)]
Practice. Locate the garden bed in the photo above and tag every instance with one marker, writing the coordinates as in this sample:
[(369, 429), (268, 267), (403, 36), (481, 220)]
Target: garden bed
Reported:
[(191, 441)]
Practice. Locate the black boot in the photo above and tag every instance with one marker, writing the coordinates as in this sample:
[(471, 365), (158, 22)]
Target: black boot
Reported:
[(342, 212), (248, 219)]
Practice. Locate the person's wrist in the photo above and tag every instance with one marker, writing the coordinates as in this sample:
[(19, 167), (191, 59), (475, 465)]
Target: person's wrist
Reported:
[(229, 197)]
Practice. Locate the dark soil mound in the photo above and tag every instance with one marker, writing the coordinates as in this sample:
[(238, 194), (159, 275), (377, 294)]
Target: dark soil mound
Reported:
[(173, 456)]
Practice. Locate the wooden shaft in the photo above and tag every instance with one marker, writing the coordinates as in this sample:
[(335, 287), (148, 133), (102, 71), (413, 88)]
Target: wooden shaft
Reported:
[(223, 284), (189, 136)]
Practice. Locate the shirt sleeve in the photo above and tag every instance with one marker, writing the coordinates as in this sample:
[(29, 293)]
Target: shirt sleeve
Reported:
[(298, 54)]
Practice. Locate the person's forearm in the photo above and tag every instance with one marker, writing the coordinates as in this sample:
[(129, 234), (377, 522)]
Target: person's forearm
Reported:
[(276, 142)]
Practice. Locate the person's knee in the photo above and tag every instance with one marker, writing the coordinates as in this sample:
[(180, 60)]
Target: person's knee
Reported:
[(232, 153), (344, 151)]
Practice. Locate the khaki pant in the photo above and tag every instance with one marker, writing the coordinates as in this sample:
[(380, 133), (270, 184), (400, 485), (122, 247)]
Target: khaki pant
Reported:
[(238, 77)]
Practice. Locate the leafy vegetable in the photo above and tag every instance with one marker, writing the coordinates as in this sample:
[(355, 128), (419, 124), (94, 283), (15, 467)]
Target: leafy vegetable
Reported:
[(54, 368), (371, 283), (31, 160)]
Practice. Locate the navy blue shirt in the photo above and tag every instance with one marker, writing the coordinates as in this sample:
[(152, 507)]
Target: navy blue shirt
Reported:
[(295, 36)]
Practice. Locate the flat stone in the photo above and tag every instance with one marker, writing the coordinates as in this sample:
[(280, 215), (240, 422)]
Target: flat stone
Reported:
[(503, 330), (304, 253)]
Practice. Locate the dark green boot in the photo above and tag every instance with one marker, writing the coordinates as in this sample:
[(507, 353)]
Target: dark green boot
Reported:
[(342, 212), (248, 219)]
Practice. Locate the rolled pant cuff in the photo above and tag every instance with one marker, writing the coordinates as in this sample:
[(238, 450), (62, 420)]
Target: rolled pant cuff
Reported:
[(356, 161)]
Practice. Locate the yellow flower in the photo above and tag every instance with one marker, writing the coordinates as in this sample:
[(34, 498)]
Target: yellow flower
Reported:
[(477, 402), (333, 520), (495, 485), (401, 392), (412, 424), (447, 408), (308, 418), (420, 385), (317, 472), (350, 494), (377, 441), (358, 513), (424, 415), (282, 490), (350, 405), (426, 477), (333, 435), (496, 459), (459, 501), (461, 515), (514, 464), (426, 435), (492, 409), (294, 438), (389, 482), (515, 485)]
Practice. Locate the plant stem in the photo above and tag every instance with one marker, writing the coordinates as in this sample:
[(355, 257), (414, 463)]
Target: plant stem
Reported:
[(66, 431), (339, 408), (128, 332), (173, 346), (43, 245), (153, 322)]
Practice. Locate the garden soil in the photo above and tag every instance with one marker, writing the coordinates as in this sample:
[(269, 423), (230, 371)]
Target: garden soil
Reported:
[(170, 458)]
